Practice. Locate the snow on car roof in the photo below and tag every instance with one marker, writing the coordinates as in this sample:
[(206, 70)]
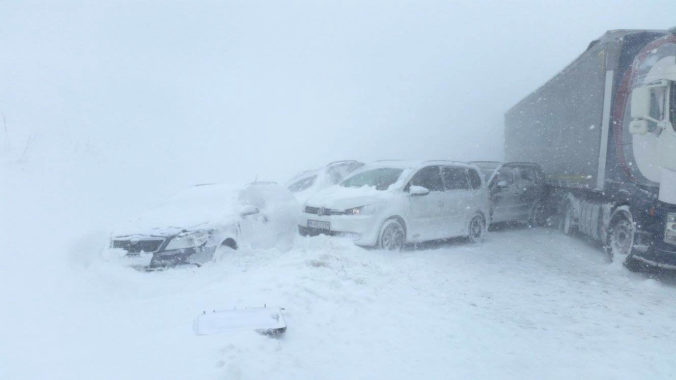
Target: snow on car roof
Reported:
[(411, 164)]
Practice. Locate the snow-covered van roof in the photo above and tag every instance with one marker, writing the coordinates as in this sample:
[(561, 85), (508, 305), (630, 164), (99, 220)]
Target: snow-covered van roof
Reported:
[(410, 164)]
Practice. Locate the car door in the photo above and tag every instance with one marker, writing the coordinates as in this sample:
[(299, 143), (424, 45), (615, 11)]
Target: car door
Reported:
[(528, 190), (426, 212), (504, 193), (479, 194), (458, 199)]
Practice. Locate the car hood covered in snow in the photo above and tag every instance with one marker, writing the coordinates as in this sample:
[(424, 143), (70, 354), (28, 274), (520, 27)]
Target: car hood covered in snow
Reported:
[(197, 207), (339, 197)]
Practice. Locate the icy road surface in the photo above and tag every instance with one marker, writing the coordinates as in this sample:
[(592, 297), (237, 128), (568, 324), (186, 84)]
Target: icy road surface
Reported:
[(525, 304)]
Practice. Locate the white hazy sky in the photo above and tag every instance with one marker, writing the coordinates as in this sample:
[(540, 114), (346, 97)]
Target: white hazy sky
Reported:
[(197, 91)]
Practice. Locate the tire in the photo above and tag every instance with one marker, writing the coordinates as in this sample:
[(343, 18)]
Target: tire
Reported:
[(226, 248), (620, 241), (392, 235), (567, 223), (537, 215), (476, 228)]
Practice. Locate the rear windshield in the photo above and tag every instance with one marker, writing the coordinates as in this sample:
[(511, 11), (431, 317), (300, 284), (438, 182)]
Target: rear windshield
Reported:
[(380, 178)]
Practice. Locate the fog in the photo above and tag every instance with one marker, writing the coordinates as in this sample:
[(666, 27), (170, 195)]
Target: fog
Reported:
[(183, 92)]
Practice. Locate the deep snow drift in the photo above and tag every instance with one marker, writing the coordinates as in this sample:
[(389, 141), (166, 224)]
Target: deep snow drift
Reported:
[(524, 304)]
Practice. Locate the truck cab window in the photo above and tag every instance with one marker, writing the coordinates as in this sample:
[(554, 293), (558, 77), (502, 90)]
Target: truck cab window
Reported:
[(657, 102)]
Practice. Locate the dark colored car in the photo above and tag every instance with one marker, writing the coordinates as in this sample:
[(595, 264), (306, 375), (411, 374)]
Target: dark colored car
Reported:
[(517, 191)]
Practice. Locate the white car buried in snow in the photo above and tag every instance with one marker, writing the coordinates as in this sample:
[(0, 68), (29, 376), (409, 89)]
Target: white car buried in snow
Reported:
[(389, 203), (192, 226), (308, 183)]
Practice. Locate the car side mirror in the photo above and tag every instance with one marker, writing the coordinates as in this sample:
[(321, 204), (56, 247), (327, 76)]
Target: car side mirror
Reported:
[(418, 190), (248, 210)]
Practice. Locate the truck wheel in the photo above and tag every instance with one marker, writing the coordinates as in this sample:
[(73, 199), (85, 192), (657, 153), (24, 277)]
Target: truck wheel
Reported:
[(567, 223), (392, 236), (621, 235), (476, 228)]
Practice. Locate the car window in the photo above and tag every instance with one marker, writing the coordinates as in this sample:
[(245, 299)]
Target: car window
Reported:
[(474, 178), (505, 174), (380, 178), (486, 168), (455, 178), (527, 174), (428, 177), (336, 174), (339, 171), (302, 184)]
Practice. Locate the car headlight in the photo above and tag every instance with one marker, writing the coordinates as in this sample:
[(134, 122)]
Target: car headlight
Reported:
[(670, 229), (361, 210), (188, 239)]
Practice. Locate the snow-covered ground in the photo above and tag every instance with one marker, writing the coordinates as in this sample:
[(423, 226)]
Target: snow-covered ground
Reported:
[(524, 304)]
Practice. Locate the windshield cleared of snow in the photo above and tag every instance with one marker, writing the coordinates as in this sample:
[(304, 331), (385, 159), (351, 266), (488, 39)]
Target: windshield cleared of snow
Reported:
[(380, 179)]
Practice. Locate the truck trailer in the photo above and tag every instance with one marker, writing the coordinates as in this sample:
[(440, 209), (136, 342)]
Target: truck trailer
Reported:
[(604, 132)]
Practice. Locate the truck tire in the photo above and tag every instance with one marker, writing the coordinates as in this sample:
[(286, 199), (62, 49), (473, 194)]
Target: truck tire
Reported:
[(620, 241)]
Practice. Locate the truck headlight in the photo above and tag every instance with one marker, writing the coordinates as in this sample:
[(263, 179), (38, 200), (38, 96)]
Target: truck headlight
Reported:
[(188, 239), (670, 229)]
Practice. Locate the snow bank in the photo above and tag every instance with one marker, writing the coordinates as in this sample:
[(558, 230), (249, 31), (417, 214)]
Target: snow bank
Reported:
[(525, 304)]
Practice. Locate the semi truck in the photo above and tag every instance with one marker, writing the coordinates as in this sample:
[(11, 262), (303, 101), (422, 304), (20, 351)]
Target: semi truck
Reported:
[(604, 131)]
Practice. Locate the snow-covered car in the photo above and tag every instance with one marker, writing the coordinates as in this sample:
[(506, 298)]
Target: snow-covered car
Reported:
[(390, 203), (308, 183), (517, 191), (190, 227)]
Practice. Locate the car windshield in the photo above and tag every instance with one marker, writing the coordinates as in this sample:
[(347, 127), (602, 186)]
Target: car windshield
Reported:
[(380, 178), (302, 184)]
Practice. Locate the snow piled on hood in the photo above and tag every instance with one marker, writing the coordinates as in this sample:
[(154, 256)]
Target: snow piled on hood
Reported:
[(339, 197), (198, 206)]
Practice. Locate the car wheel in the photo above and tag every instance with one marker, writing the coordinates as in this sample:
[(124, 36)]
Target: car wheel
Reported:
[(225, 249), (537, 216), (620, 243), (392, 235), (476, 228)]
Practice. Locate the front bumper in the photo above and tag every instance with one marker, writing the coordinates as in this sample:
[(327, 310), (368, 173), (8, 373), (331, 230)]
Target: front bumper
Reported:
[(652, 249), (137, 244), (186, 256), (659, 254), (363, 229)]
